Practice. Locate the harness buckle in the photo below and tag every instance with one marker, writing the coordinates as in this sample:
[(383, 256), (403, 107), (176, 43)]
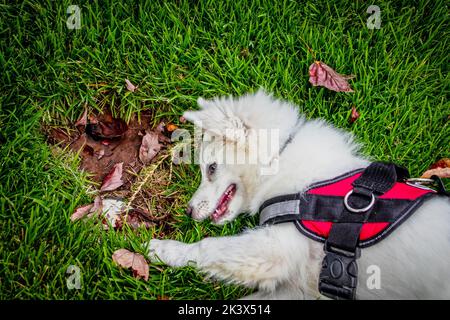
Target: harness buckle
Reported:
[(339, 275), (358, 210)]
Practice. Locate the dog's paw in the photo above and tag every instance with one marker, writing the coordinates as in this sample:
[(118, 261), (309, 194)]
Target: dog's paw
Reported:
[(171, 252)]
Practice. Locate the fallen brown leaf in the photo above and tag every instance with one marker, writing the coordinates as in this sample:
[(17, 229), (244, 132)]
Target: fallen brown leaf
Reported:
[(322, 75), (81, 211), (83, 120), (354, 115), (88, 209), (114, 178), (440, 168), (97, 208), (130, 87), (149, 148), (135, 261), (171, 127)]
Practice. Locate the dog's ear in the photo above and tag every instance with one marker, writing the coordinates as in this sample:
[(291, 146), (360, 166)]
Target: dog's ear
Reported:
[(217, 120)]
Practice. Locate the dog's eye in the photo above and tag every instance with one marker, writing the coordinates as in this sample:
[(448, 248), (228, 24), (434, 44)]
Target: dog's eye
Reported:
[(212, 169)]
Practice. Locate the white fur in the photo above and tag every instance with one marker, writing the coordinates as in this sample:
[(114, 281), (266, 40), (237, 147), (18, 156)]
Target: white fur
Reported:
[(277, 260)]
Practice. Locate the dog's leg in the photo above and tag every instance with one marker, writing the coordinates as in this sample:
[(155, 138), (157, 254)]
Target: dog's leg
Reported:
[(257, 258)]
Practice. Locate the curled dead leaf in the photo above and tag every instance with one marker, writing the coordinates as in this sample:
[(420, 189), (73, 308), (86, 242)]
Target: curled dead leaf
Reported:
[(440, 168), (114, 178), (87, 210), (81, 211), (130, 87), (82, 121), (322, 75), (135, 261), (354, 115), (149, 148)]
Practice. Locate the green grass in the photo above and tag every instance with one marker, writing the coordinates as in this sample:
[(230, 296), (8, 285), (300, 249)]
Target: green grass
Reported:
[(177, 52)]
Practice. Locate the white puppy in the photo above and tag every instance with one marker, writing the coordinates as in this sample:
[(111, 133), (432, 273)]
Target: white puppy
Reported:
[(281, 263)]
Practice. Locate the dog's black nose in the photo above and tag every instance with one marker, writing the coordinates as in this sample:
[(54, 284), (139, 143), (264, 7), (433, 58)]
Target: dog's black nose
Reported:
[(189, 211)]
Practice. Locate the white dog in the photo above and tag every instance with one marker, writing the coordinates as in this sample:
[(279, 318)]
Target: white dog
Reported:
[(413, 262)]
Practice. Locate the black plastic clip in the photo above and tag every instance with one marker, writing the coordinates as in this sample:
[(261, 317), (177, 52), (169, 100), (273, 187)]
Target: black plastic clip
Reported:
[(339, 275)]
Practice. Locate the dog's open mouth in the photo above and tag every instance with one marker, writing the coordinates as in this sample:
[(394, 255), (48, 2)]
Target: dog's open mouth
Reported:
[(222, 205)]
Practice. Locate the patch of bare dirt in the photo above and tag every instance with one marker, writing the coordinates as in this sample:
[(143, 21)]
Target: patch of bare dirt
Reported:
[(107, 144)]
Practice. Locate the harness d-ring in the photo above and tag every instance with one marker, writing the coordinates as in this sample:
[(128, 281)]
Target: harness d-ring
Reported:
[(358, 210)]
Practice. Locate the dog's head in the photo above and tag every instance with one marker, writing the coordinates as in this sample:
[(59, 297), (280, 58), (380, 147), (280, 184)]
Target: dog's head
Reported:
[(240, 142)]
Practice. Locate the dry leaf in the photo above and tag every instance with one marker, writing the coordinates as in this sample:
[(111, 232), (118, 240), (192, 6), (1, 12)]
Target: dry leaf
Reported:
[(441, 169), (135, 261), (80, 212), (149, 148), (130, 87), (89, 209), (322, 75), (354, 115), (98, 206), (83, 119), (114, 178)]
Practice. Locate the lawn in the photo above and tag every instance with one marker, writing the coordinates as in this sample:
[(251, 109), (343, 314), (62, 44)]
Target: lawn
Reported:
[(177, 51)]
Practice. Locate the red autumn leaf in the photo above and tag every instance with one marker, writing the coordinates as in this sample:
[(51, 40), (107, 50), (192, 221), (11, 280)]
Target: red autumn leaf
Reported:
[(114, 178), (80, 212), (97, 207), (322, 75), (149, 148), (130, 87), (443, 163), (354, 115), (135, 261), (441, 169), (89, 209)]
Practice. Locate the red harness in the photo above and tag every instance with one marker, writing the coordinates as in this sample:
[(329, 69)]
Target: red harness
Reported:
[(403, 198), (349, 212)]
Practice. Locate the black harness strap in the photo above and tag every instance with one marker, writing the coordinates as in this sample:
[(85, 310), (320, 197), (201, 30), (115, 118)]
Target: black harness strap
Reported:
[(361, 206), (338, 277)]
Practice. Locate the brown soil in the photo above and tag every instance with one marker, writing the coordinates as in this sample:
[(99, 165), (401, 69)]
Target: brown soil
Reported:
[(99, 155)]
